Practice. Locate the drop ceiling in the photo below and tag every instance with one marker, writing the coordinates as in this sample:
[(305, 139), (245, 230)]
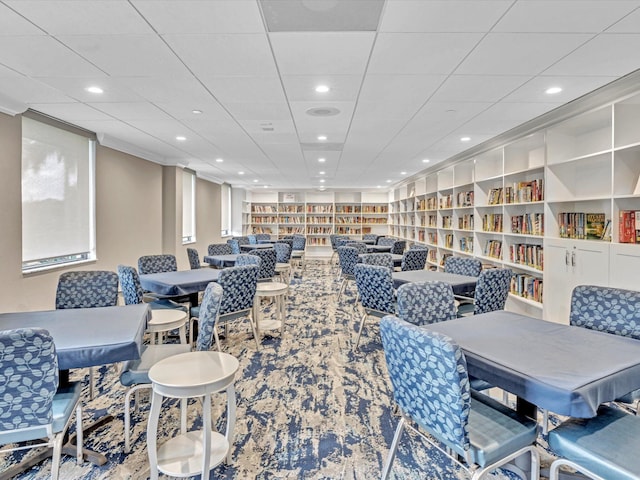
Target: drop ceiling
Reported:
[(407, 78)]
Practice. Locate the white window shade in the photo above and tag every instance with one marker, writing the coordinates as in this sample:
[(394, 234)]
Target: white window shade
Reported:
[(188, 206), (58, 195), (225, 209)]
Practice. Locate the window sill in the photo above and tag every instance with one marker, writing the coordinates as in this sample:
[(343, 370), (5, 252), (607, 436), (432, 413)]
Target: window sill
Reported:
[(58, 266)]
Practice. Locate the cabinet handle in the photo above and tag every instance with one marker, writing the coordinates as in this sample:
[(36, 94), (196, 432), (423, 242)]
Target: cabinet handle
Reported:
[(573, 259), (566, 258)]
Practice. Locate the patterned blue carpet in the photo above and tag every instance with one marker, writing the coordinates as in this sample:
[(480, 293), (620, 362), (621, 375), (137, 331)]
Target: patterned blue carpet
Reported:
[(308, 407)]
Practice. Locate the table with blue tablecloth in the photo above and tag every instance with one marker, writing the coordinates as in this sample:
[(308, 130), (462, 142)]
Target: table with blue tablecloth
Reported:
[(221, 261), (565, 369), (182, 282), (255, 246), (459, 283)]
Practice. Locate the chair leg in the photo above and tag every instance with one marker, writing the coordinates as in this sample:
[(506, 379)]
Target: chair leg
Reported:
[(342, 287), (392, 451), (253, 329), (360, 330), (92, 383), (127, 414), (79, 435), (215, 335), (55, 457)]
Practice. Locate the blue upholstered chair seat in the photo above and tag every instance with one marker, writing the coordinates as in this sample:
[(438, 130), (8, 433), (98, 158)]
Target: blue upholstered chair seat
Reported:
[(496, 430), (606, 445), (166, 304), (64, 404), (135, 372), (630, 397)]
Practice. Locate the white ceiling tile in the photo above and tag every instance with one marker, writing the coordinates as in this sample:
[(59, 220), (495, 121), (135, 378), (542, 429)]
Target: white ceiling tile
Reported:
[(504, 116), (261, 126), (478, 88), (114, 91), (628, 24), (212, 114), (519, 54), (607, 54), (82, 17), (12, 23), (405, 89), (186, 16), (128, 111), (224, 54), (334, 53), (566, 16), (266, 112), (314, 126), (420, 53), (28, 90), (572, 87), (168, 88), (442, 16), (70, 112), (386, 110), (301, 88), (237, 89), (40, 56)]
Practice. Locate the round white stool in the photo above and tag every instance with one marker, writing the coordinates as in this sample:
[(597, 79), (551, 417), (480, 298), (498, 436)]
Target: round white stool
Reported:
[(270, 289), (193, 374), (284, 271), (166, 320)]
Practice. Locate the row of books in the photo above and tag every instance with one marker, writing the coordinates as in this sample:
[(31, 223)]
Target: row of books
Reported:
[(525, 254), (466, 244), (427, 204), (446, 201), (527, 286), (267, 219), (348, 220), (528, 224), (492, 222), (493, 249), (262, 230), (291, 208), (448, 240), (465, 222), (288, 219), (446, 221), (263, 209), (347, 208), (525, 192), (465, 199), (316, 219), (629, 226), (319, 230), (291, 230), (375, 209), (582, 226)]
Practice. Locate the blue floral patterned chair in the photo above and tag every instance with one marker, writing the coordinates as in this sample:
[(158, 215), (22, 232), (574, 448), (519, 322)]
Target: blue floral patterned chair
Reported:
[(248, 259), (267, 265), (283, 258), (382, 259), (253, 240), (133, 294), (398, 247), (219, 249), (490, 294), (423, 303), (610, 310), (602, 447), (386, 241), (359, 246), (377, 296), (348, 258), (414, 259), (235, 246), (135, 373), (428, 373), (157, 264), (194, 258), (298, 251), (370, 238), (32, 407), (87, 289), (263, 237), (463, 266)]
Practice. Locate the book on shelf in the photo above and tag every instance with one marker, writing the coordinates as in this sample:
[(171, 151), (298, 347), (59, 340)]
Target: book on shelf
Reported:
[(595, 226), (627, 226)]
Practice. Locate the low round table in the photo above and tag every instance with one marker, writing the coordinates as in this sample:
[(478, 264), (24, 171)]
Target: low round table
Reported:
[(270, 289), (193, 374), (166, 320)]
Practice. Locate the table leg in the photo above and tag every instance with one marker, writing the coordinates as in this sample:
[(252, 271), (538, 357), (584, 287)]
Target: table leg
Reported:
[(206, 436), (152, 432), (527, 409), (231, 418)]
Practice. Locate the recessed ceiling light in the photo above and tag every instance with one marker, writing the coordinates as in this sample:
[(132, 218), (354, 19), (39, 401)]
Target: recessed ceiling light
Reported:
[(425, 160), (94, 89), (378, 186), (266, 186), (322, 137), (219, 160), (322, 160), (465, 139), (180, 138), (388, 181), (321, 173), (196, 112), (403, 173), (322, 180), (322, 89), (255, 180), (240, 173), (553, 90)]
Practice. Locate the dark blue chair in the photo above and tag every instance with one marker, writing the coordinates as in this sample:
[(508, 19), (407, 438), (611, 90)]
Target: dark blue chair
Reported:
[(423, 303), (348, 258), (267, 265), (463, 266), (377, 296), (157, 264), (194, 258), (492, 290), (428, 373), (219, 249), (382, 259), (414, 259)]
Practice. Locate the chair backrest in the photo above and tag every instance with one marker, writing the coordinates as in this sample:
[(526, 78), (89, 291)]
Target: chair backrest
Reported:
[(248, 259), (268, 264), (219, 249), (414, 259), (242, 240), (253, 240), (359, 246), (130, 284), (288, 241), (194, 258), (348, 258), (382, 259), (87, 289), (418, 246), (239, 285), (235, 245), (208, 314), (610, 310), (29, 365), (262, 236), (492, 290), (463, 266), (398, 247), (428, 372), (299, 242), (422, 303), (387, 241), (375, 286), (283, 252), (157, 264), (370, 237)]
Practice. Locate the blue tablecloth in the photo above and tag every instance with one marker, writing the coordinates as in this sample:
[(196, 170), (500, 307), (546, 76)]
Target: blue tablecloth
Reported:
[(87, 337), (221, 261), (183, 282), (564, 369), (397, 259), (459, 283), (255, 246)]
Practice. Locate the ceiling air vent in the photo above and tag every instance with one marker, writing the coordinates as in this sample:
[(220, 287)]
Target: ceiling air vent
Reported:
[(322, 147), (323, 112)]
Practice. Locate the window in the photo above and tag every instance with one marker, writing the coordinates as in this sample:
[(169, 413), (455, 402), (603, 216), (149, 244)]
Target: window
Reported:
[(188, 206), (58, 193), (225, 209)]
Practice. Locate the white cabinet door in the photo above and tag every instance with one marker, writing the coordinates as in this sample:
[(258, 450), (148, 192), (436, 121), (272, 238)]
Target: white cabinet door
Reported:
[(624, 271), (569, 263)]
